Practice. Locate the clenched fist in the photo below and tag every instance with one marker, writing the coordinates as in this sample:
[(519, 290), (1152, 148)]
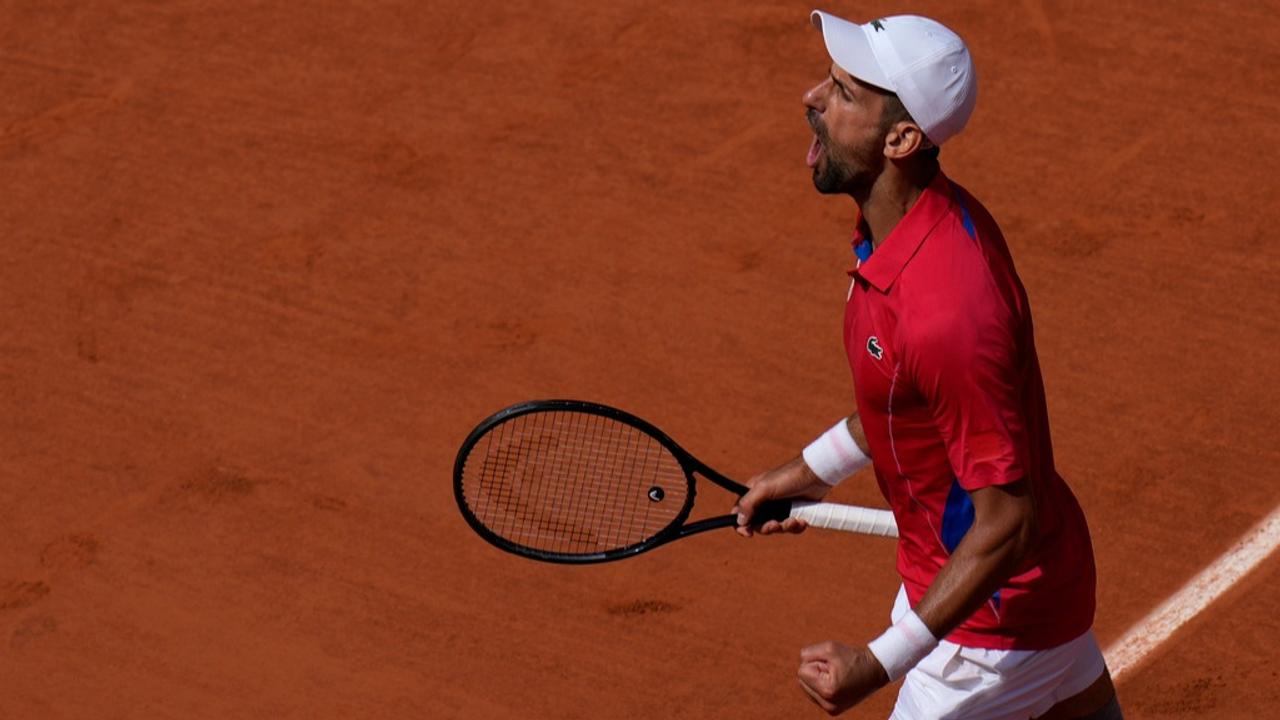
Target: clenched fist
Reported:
[(837, 676)]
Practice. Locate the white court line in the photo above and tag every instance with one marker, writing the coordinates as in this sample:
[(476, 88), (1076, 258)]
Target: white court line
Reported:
[(1159, 624)]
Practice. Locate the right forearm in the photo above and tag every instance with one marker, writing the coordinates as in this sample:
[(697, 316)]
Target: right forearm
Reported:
[(801, 482), (838, 453), (835, 455)]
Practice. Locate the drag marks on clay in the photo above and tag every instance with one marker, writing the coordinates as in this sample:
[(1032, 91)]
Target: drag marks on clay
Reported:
[(1050, 240), (18, 594), (767, 36), (348, 284), (70, 552), (253, 493), (404, 166), (272, 140), (56, 120), (267, 291), (10, 61), (642, 607), (30, 630), (498, 336), (205, 316), (749, 261), (1184, 698), (628, 37), (220, 483), (723, 153), (51, 99), (328, 503), (104, 297), (1071, 239), (87, 345), (296, 253), (1112, 163)]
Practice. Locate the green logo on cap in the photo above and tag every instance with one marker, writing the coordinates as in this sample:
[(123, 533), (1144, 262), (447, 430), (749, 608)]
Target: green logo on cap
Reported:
[(878, 24)]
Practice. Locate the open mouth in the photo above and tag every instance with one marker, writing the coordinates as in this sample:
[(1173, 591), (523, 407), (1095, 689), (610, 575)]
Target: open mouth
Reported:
[(815, 149)]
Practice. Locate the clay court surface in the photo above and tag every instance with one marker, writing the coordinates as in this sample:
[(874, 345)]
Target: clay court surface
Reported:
[(263, 267)]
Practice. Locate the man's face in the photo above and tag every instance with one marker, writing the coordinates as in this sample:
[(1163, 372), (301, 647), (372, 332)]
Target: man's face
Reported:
[(847, 152)]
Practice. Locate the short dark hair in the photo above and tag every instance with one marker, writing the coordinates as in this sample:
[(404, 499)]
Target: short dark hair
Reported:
[(895, 112)]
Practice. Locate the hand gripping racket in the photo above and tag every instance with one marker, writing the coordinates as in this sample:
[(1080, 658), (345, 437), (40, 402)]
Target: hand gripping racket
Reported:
[(577, 482)]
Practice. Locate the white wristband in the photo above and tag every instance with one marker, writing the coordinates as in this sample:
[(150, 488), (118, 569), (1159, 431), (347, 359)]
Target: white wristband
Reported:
[(835, 456), (904, 644)]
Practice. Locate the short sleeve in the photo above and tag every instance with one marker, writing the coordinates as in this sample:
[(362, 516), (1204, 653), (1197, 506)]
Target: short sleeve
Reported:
[(965, 362)]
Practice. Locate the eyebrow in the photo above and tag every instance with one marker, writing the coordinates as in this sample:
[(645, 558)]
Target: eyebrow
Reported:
[(839, 83)]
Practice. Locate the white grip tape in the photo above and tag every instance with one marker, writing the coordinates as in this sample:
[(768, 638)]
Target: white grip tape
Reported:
[(835, 455), (849, 518), (904, 644)]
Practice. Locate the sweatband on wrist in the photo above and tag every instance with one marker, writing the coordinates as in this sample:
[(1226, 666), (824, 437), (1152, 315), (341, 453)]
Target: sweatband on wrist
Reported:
[(904, 644), (835, 456)]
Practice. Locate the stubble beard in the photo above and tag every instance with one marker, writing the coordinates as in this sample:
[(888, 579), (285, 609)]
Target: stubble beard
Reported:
[(838, 175), (833, 178)]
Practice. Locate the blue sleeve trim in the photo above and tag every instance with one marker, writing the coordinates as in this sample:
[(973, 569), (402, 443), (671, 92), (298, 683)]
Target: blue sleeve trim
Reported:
[(968, 222), (957, 516), (965, 217)]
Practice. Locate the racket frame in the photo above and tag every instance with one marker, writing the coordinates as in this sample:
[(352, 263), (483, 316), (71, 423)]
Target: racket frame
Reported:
[(777, 510)]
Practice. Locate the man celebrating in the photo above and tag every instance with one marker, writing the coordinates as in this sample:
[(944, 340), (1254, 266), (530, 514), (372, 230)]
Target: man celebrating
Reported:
[(994, 614)]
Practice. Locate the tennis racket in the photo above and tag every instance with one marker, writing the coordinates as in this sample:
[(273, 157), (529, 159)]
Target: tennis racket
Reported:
[(576, 482)]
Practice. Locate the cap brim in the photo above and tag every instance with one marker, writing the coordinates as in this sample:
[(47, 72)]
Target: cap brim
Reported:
[(848, 46)]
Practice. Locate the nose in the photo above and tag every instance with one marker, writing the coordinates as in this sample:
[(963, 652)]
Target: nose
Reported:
[(815, 97)]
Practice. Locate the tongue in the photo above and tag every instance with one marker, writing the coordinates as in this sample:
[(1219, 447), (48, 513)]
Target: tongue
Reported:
[(814, 148)]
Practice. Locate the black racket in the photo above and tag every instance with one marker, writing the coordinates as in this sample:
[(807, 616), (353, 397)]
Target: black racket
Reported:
[(577, 482)]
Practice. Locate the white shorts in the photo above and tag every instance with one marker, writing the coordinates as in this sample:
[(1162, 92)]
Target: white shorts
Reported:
[(978, 684)]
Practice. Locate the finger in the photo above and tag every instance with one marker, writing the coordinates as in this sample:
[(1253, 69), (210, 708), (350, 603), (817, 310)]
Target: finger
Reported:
[(744, 530), (770, 527), (817, 698), (815, 673), (794, 525), (746, 507)]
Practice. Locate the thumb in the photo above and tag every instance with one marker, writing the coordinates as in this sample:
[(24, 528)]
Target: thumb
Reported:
[(746, 506)]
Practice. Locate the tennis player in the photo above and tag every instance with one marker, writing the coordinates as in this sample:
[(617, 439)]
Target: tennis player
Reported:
[(997, 600)]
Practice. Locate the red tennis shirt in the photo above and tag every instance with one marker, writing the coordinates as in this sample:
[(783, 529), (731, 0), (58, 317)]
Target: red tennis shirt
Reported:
[(938, 332)]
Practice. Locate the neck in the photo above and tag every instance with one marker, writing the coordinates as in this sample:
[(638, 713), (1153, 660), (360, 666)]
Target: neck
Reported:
[(889, 198)]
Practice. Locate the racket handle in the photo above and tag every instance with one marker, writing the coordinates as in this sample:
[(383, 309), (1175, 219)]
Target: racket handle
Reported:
[(849, 518)]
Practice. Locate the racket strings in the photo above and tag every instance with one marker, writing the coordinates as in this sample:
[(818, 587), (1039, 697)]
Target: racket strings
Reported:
[(572, 483)]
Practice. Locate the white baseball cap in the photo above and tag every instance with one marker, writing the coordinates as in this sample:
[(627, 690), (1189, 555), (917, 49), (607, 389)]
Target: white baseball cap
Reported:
[(921, 60)]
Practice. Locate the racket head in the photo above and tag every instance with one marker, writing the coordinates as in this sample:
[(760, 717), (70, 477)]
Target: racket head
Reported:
[(570, 481)]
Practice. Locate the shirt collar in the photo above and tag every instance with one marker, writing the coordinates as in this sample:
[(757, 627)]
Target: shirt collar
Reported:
[(891, 256)]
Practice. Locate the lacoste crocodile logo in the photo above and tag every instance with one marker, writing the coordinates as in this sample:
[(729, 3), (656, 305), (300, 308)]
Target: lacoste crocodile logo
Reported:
[(873, 347)]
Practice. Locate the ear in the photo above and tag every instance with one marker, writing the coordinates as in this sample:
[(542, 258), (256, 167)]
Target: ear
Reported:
[(904, 139)]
